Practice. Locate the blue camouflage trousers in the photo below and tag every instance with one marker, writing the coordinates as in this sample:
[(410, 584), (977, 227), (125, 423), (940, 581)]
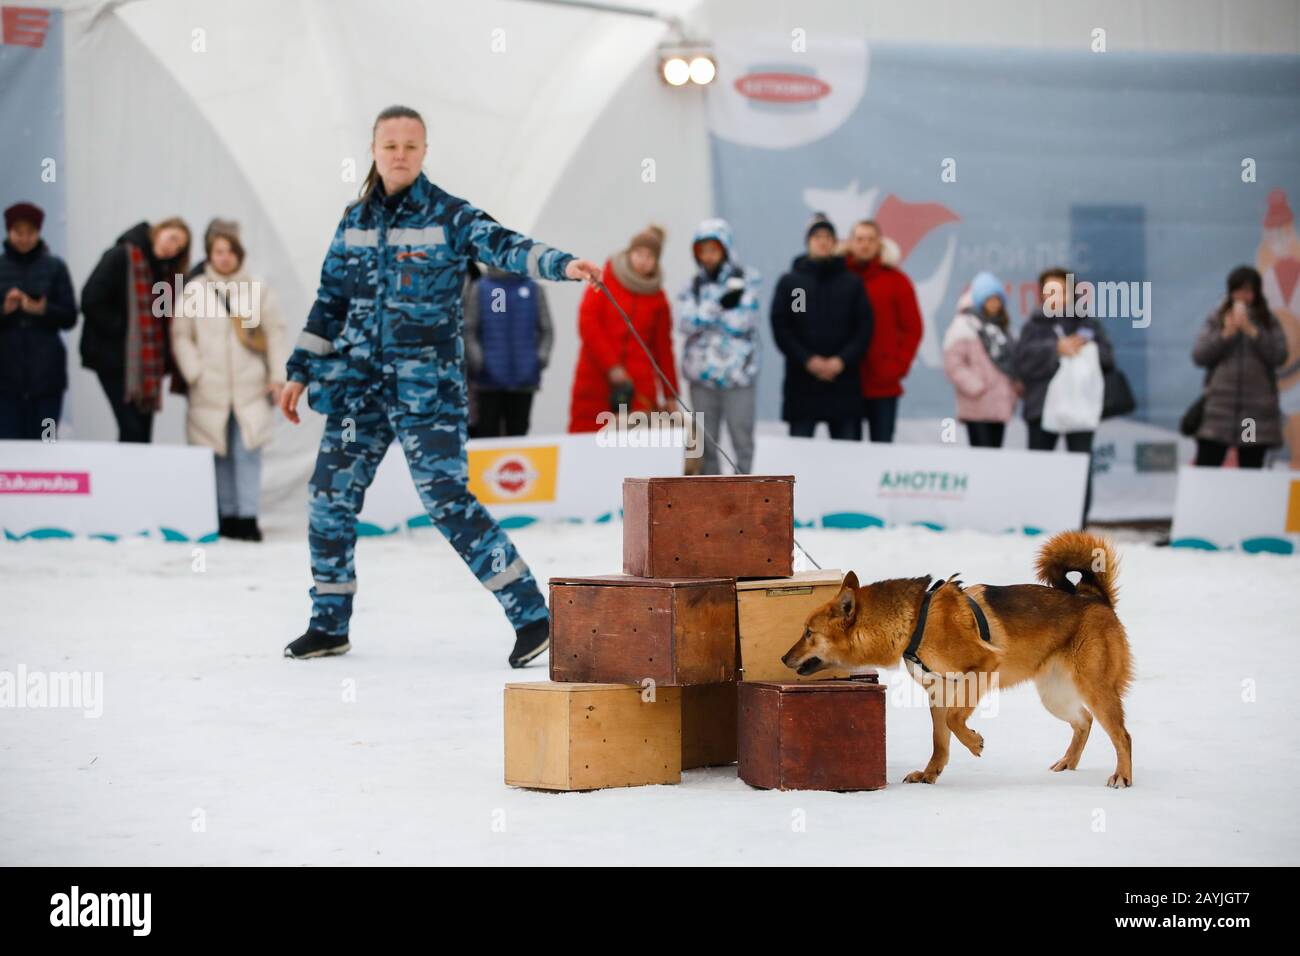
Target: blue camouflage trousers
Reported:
[(432, 433)]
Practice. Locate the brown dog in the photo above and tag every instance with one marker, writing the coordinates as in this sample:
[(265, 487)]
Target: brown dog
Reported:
[(1065, 637)]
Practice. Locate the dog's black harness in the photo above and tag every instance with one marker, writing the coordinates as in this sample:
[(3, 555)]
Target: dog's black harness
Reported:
[(914, 645)]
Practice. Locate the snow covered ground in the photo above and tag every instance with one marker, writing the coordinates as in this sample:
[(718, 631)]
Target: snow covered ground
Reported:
[(212, 749)]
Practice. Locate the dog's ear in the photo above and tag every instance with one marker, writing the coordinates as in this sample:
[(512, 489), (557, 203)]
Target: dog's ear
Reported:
[(846, 602)]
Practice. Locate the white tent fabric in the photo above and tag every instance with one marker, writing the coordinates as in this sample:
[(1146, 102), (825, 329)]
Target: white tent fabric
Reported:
[(542, 114), (262, 113)]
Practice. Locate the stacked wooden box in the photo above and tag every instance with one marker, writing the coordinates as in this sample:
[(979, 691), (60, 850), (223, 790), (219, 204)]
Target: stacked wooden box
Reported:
[(645, 664)]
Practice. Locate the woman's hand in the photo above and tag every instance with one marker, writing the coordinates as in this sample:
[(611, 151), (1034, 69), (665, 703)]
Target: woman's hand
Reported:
[(289, 396), (618, 376), (1069, 345), (274, 389), (583, 269)]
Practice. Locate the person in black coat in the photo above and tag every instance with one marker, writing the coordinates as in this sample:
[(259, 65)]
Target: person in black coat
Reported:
[(39, 303), (821, 321), (104, 302), (1038, 352)]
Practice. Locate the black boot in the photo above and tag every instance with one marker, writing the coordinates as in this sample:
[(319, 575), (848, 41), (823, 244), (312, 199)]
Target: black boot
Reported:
[(248, 529), (317, 644), (228, 527), (530, 641)]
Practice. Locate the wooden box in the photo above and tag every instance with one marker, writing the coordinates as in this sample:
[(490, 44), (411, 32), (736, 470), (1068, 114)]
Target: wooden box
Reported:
[(620, 629), (733, 526), (812, 735), (590, 736), (770, 615), (708, 725)]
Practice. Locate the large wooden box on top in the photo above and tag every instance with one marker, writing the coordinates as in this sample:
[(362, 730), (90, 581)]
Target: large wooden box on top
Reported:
[(770, 615), (734, 526), (620, 629), (812, 735), (590, 736)]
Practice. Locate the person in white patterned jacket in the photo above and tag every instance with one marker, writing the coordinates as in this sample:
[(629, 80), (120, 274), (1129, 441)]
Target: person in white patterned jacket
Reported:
[(719, 315)]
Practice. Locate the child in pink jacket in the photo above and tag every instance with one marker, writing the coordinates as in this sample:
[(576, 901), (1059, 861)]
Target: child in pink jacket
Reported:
[(977, 360)]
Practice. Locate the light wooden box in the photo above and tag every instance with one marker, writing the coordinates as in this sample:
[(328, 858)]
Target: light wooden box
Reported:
[(770, 615), (574, 736)]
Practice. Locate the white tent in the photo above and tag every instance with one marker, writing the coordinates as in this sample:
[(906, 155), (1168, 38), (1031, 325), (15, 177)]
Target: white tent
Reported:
[(261, 113), (542, 113)]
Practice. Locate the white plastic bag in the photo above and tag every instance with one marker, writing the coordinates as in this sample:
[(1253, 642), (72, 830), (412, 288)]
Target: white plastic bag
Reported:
[(1075, 393)]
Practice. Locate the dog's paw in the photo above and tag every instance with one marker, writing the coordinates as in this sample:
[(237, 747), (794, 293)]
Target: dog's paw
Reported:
[(976, 743), (1118, 780), (1062, 764), (921, 776)]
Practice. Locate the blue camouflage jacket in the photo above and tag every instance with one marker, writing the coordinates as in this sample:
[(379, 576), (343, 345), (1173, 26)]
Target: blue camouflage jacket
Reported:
[(719, 316), (388, 311)]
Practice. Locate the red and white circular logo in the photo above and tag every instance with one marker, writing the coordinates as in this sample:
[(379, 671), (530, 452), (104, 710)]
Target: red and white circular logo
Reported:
[(511, 476)]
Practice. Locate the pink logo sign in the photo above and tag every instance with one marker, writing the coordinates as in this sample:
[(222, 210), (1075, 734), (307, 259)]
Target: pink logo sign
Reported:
[(44, 482), (782, 87)]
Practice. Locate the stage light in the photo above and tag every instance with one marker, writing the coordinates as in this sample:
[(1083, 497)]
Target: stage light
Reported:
[(687, 61), (702, 70), (675, 71)]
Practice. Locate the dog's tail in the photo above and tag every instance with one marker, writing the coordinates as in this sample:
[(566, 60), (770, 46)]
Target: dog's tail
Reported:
[(1088, 555)]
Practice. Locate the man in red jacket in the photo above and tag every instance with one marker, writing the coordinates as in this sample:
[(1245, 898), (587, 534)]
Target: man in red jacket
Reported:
[(897, 335)]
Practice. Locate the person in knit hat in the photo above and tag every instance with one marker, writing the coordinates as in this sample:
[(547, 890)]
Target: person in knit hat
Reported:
[(39, 303), (613, 370), (977, 358), (821, 322), (231, 353), (216, 226), (719, 315)]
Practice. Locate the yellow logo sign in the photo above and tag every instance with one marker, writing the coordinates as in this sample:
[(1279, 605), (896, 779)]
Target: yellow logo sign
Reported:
[(506, 476), (1293, 509)]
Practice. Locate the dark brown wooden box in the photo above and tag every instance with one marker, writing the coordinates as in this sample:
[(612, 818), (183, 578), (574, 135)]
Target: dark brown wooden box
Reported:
[(619, 629), (735, 526), (708, 725), (812, 735)]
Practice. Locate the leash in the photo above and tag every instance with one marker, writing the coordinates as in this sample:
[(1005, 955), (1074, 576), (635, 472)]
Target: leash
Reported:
[(918, 632), (677, 396)]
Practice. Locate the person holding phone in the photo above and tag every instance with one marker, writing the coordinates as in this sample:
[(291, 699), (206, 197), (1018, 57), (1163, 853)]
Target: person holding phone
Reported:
[(1241, 344), (39, 305), (382, 357)]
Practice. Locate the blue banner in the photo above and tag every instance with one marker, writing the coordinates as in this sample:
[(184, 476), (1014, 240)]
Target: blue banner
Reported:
[(31, 115), (1155, 168)]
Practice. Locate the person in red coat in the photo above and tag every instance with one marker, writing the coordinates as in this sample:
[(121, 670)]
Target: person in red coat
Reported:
[(612, 368), (897, 334)]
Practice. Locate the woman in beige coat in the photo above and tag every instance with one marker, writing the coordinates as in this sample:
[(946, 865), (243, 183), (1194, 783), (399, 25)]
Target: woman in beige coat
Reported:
[(229, 344)]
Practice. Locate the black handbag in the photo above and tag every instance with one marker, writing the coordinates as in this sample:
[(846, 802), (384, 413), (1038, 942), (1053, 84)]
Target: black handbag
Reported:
[(1117, 395), (1193, 418)]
